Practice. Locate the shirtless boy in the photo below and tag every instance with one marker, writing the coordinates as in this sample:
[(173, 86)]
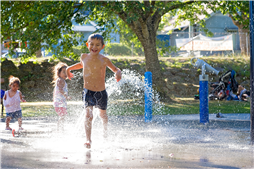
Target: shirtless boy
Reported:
[(94, 94)]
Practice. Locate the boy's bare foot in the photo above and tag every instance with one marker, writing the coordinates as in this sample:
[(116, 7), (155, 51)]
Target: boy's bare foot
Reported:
[(88, 145), (8, 128)]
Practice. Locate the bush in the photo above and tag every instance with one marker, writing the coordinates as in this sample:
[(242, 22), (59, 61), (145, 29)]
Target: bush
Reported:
[(80, 49), (117, 49)]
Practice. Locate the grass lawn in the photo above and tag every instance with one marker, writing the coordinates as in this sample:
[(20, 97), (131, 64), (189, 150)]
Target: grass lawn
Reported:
[(214, 107), (180, 106)]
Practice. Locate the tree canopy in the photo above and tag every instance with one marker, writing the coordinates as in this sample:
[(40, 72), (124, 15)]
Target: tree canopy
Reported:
[(40, 24), (46, 23)]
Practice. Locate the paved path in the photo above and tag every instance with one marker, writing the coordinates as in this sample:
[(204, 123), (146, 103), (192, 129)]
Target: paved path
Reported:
[(170, 141)]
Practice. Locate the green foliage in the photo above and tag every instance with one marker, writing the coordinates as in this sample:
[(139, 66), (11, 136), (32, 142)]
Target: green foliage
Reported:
[(118, 49), (163, 49), (40, 23), (27, 77), (77, 50), (129, 38), (237, 11), (25, 58), (51, 60), (47, 23), (2, 59)]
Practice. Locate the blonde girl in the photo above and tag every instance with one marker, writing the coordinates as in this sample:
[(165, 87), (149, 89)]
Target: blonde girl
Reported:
[(12, 99), (60, 94)]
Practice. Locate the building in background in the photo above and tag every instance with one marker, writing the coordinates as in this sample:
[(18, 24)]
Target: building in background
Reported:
[(220, 25)]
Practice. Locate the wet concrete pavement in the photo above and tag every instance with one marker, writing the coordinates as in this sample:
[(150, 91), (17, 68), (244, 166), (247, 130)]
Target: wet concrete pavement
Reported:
[(170, 141)]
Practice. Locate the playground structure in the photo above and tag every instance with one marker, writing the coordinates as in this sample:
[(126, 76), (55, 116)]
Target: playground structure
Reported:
[(203, 88)]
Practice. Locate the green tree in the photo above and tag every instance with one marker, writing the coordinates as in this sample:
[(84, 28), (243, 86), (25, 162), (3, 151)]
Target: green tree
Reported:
[(129, 38), (143, 18), (47, 22), (41, 24)]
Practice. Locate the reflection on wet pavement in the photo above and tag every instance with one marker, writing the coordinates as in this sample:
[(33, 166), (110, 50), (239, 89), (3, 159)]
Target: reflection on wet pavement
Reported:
[(165, 142)]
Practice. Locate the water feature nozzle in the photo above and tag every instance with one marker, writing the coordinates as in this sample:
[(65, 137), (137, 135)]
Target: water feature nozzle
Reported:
[(203, 88)]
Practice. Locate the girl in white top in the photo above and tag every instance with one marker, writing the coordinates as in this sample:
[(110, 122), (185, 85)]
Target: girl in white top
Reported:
[(60, 94), (11, 102)]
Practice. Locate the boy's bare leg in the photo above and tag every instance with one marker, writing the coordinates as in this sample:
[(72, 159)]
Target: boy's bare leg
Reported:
[(104, 117), (88, 126), (7, 121)]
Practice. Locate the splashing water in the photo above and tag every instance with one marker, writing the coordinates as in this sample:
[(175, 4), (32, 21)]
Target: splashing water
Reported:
[(128, 93), (126, 97)]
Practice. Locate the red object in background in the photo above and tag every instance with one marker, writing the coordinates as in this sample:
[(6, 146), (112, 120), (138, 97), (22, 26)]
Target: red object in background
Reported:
[(7, 45), (16, 44), (25, 44)]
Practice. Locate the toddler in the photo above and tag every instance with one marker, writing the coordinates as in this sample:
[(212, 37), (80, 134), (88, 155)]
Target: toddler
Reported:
[(11, 102), (60, 94), (243, 94)]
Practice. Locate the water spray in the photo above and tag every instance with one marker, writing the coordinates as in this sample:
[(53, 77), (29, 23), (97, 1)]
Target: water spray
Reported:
[(203, 88)]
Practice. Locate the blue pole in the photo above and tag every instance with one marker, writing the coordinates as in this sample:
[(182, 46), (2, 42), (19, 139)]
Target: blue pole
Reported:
[(148, 97), (203, 97), (251, 6)]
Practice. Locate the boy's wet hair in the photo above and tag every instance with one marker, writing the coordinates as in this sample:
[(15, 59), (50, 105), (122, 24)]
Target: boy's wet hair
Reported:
[(13, 80), (96, 36)]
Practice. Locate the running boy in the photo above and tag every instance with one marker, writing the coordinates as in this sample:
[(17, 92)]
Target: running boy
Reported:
[(11, 102), (94, 94)]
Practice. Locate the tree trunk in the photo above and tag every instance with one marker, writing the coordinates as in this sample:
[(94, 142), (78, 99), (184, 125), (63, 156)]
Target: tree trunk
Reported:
[(146, 28), (152, 61), (243, 37), (244, 41), (38, 53)]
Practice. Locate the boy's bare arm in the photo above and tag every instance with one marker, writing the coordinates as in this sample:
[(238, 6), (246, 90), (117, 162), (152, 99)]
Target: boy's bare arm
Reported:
[(116, 70), (73, 67)]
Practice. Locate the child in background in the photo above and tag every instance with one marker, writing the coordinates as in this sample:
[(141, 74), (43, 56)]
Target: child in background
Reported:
[(11, 102), (243, 94), (60, 94), (94, 94)]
